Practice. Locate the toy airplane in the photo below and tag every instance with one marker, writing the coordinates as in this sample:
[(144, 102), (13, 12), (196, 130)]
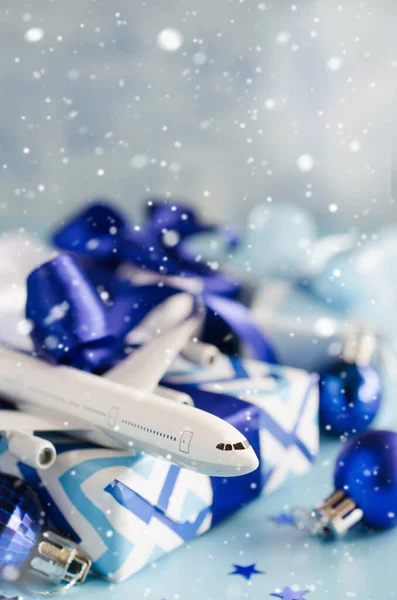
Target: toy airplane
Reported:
[(124, 409)]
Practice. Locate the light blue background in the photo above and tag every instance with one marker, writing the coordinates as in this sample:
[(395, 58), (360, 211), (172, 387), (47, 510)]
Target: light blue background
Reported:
[(222, 120)]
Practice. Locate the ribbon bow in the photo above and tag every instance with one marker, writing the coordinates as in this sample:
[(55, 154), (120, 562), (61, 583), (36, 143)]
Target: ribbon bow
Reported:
[(83, 306), (102, 233)]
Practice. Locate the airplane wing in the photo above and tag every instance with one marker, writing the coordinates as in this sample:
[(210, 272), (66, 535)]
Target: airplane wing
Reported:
[(18, 420), (146, 366), (171, 313), (168, 315)]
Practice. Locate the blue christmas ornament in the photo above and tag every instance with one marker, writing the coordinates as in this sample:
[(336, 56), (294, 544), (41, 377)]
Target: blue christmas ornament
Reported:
[(351, 390), (366, 469), (20, 523), (24, 544), (360, 279), (277, 241), (350, 397), (339, 282), (365, 481)]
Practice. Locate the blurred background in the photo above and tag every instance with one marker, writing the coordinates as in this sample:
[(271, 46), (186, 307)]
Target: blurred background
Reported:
[(226, 103)]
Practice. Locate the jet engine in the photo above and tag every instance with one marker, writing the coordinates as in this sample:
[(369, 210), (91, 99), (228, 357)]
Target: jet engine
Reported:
[(200, 353), (31, 449)]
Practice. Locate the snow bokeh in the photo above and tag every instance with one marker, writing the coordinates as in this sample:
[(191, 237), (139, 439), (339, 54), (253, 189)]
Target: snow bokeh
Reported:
[(224, 103)]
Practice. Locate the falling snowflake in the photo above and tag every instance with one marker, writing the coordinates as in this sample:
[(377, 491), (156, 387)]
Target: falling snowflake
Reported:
[(270, 103), (169, 40), (334, 63), (200, 58), (56, 313), (34, 34), (305, 162), (283, 37), (139, 161), (355, 146)]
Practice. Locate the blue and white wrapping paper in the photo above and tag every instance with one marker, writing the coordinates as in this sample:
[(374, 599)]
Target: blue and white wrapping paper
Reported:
[(128, 511)]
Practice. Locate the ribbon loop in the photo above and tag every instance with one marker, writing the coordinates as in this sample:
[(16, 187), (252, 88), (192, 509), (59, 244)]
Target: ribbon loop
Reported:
[(97, 231), (103, 234), (69, 317), (168, 215)]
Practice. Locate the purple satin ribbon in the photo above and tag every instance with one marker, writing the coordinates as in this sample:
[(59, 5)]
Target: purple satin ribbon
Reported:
[(82, 310)]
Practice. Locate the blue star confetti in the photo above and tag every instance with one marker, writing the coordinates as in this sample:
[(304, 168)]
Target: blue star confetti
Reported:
[(283, 519), (289, 594), (247, 571)]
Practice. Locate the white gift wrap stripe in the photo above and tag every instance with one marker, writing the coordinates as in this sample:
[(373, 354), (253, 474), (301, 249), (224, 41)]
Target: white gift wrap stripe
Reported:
[(193, 483), (145, 538)]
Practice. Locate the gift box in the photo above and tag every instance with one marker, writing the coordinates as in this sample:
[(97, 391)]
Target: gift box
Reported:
[(126, 511), (308, 333)]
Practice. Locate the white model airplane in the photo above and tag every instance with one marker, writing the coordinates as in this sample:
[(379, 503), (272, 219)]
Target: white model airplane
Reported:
[(124, 409)]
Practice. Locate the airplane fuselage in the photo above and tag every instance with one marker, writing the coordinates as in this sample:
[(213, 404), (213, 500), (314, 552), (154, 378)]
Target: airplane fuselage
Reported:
[(123, 417)]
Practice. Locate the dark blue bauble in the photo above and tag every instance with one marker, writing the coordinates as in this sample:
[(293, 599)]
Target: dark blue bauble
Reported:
[(20, 522), (350, 397), (366, 470)]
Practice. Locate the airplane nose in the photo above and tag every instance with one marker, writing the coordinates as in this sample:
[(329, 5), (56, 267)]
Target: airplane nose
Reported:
[(247, 464), (253, 460)]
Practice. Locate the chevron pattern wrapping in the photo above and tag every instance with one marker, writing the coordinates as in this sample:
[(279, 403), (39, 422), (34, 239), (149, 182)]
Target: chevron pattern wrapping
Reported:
[(127, 511), (289, 402)]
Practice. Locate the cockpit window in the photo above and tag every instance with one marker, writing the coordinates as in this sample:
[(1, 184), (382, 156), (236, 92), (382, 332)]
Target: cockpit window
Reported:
[(239, 446)]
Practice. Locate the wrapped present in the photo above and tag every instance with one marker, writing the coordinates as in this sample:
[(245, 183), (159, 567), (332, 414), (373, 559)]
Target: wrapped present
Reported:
[(307, 332), (127, 511)]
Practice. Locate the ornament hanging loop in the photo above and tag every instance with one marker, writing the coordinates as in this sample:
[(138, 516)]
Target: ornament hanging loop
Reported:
[(360, 346)]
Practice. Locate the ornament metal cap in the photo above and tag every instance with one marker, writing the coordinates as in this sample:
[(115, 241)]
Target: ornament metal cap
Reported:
[(333, 518), (59, 560), (359, 346)]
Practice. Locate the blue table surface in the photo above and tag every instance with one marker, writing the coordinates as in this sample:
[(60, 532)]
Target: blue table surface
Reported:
[(359, 566)]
